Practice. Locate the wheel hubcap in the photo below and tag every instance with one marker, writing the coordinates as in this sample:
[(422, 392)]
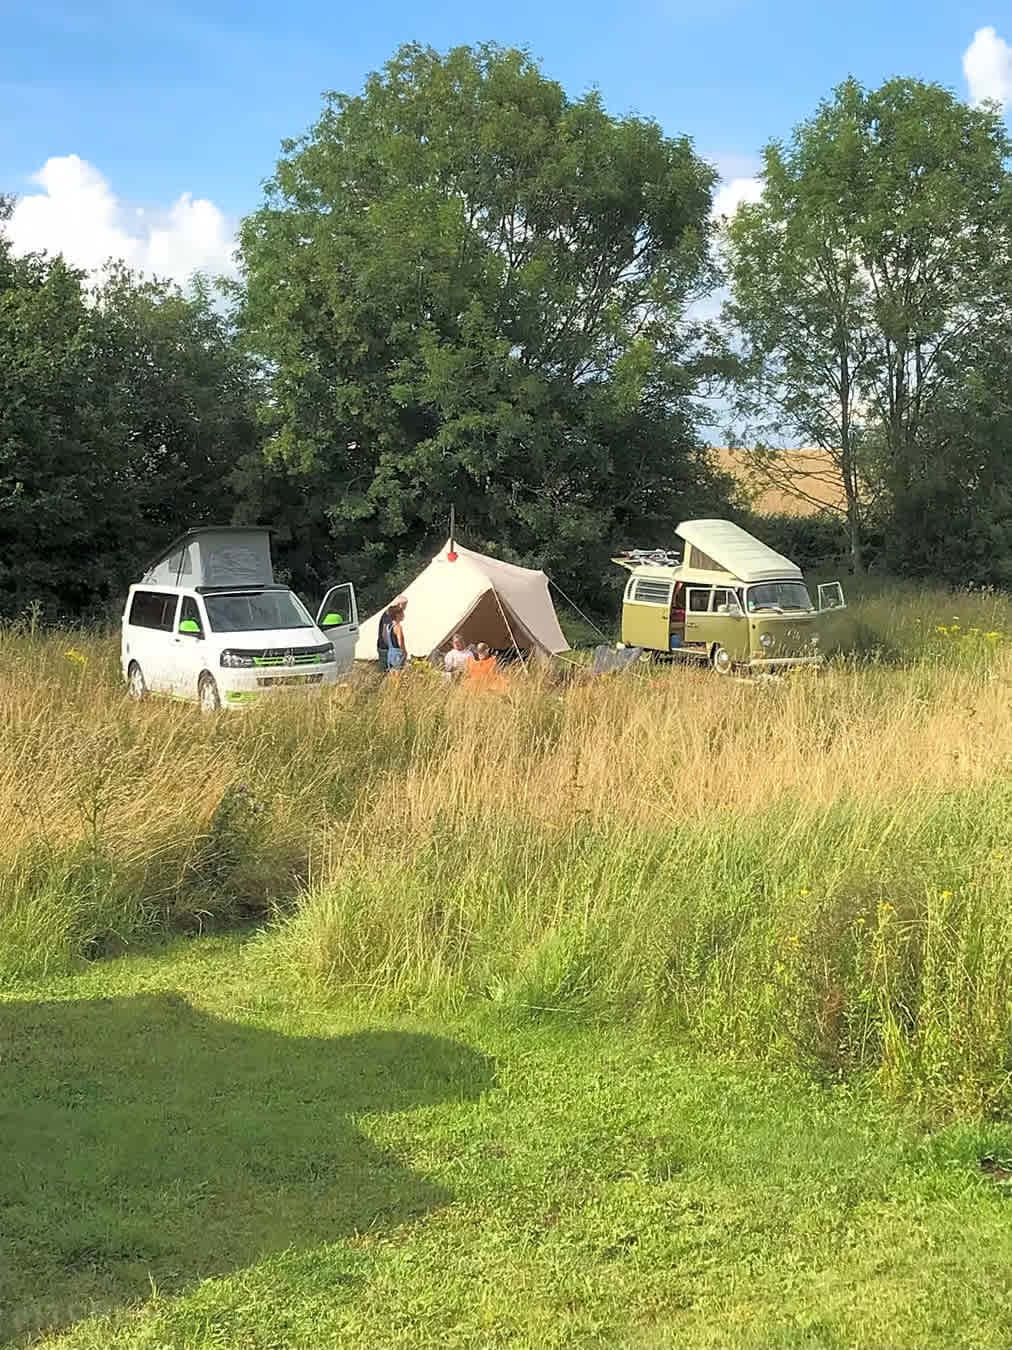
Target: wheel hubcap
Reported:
[(721, 661)]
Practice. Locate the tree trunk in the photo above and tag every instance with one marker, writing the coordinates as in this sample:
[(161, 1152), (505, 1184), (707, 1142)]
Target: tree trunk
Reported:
[(854, 530), (848, 467)]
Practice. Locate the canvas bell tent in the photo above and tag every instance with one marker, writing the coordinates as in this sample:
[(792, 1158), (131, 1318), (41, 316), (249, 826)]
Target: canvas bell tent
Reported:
[(224, 555), (481, 598)]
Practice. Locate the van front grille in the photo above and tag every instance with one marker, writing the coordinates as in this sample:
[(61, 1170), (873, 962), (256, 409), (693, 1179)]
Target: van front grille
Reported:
[(306, 656)]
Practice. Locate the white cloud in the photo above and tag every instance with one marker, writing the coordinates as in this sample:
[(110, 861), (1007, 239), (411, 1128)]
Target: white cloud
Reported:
[(987, 64), (77, 214), (732, 192)]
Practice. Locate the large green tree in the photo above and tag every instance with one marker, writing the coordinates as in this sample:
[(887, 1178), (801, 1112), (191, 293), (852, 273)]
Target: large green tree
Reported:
[(879, 251), (57, 507), (468, 289), (954, 518), (125, 409), (184, 398)]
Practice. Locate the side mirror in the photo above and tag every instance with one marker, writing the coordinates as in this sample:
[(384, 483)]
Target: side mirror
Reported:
[(732, 611), (191, 627), (332, 620), (831, 596)]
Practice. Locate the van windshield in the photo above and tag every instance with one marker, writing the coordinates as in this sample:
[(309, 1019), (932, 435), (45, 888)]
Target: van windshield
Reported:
[(780, 596), (255, 612)]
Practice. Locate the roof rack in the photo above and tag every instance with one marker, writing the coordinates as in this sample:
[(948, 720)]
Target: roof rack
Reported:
[(662, 557)]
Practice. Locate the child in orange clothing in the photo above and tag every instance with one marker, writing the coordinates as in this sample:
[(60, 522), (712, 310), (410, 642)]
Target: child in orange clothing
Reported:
[(481, 669)]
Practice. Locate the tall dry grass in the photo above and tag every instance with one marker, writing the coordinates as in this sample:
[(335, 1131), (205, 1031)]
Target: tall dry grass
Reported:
[(816, 868)]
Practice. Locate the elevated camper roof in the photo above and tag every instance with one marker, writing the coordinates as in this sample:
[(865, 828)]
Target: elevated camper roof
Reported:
[(721, 546), (215, 555)]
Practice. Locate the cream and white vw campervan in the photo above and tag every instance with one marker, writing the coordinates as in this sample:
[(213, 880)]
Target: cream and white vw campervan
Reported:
[(209, 623), (728, 599)]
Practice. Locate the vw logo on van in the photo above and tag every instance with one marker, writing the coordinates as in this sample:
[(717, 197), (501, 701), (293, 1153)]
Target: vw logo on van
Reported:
[(289, 658)]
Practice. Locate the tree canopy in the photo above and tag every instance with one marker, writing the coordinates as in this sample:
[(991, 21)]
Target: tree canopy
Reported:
[(881, 246), (465, 288), (470, 290), (125, 408)]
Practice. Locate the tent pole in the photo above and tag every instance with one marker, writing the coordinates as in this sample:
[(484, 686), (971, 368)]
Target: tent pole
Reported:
[(513, 638)]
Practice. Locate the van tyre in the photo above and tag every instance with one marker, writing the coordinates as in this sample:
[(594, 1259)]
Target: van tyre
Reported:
[(207, 692), (136, 687), (720, 660)]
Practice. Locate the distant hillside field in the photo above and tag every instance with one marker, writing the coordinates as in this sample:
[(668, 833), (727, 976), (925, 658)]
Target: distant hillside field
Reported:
[(804, 483)]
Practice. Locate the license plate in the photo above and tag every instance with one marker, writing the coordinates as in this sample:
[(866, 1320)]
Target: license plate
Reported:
[(267, 681)]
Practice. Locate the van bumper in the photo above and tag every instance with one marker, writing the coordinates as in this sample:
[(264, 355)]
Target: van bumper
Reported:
[(243, 687), (781, 662)]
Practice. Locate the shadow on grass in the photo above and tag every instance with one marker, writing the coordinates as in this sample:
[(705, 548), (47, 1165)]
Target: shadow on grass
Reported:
[(146, 1143)]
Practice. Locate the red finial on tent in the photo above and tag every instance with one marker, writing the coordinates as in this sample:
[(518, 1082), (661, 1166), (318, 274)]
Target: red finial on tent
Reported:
[(451, 555)]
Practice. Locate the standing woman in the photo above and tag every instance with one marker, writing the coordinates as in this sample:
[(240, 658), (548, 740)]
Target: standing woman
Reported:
[(390, 645)]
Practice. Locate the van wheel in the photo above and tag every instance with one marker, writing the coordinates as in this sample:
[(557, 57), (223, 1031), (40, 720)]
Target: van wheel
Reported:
[(720, 660), (207, 692), (136, 688)]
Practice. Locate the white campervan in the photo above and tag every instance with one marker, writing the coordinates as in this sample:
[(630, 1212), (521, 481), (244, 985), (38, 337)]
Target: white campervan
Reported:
[(208, 622)]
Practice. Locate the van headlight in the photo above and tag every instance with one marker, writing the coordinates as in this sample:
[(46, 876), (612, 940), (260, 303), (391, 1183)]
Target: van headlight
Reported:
[(766, 640), (230, 658), (814, 639)]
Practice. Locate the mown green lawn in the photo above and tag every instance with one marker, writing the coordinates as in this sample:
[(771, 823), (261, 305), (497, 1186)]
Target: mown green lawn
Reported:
[(190, 1160)]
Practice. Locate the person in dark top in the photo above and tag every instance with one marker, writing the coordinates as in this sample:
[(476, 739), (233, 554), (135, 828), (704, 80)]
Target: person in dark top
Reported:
[(390, 645)]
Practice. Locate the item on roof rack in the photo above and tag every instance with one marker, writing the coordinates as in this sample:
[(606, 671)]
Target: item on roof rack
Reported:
[(662, 557)]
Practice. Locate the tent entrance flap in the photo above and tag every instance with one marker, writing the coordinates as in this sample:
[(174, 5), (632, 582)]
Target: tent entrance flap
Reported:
[(490, 621)]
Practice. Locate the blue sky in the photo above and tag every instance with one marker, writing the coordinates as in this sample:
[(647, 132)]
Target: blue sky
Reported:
[(175, 111)]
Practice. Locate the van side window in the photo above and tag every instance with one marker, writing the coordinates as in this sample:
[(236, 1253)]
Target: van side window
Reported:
[(152, 609), (649, 592), (699, 601)]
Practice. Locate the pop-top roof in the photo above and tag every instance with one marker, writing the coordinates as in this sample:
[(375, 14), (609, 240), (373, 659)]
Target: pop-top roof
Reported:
[(735, 551), (216, 555)]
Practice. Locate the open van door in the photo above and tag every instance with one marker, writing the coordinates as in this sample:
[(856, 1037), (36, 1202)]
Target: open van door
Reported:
[(831, 597), (338, 618)]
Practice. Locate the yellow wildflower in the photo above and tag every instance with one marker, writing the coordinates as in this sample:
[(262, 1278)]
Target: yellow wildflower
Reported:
[(75, 657)]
